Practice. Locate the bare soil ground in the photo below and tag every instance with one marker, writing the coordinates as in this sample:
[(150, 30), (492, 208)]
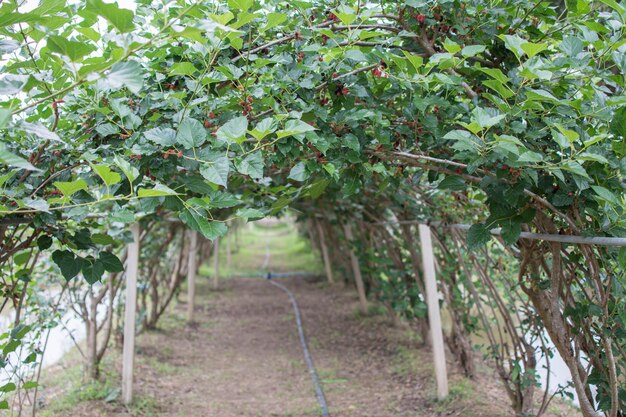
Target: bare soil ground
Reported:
[(242, 357)]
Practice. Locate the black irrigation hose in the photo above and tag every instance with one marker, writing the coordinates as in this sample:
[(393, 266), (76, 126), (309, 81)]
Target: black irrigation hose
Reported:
[(319, 393)]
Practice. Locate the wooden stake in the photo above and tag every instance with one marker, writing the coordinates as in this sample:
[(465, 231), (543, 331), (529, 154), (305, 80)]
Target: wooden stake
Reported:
[(128, 355), (228, 252), (216, 260), (327, 266), (191, 273), (357, 271), (434, 315)]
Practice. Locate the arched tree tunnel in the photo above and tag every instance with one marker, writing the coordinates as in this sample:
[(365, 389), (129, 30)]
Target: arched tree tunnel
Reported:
[(499, 125)]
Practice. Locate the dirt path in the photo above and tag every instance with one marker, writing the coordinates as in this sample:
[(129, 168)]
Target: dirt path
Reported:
[(243, 359)]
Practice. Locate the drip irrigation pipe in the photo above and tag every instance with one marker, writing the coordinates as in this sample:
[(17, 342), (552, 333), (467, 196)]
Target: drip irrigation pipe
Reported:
[(319, 393)]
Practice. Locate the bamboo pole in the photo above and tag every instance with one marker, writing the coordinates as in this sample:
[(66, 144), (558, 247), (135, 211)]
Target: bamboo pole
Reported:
[(216, 263), (327, 265), (356, 269), (192, 268), (128, 354), (434, 315)]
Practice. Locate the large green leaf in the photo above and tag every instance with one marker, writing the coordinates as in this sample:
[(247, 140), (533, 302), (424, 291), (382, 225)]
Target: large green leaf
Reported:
[(209, 229), (294, 127), (234, 130), (121, 19), (477, 235), (69, 264), (92, 269), (72, 49), (110, 262), (127, 74), (163, 136), (69, 188), (12, 160), (252, 165), (191, 133), (216, 171)]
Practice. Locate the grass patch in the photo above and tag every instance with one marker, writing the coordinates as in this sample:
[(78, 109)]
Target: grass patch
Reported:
[(459, 390), (289, 252)]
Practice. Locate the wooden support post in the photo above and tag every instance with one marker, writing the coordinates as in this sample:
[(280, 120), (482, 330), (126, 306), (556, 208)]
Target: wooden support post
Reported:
[(434, 315), (357, 271), (216, 260), (128, 355), (192, 268), (228, 252), (327, 265)]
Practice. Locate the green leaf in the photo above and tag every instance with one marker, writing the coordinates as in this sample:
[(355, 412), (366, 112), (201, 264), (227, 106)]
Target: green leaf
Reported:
[(477, 235), (39, 130), (472, 50), (30, 385), (159, 190), (618, 123), (5, 117), (263, 128), (111, 262), (294, 127), (451, 46), (11, 347), (8, 45), (485, 119), (209, 229), (191, 133), (122, 19), (575, 168), (217, 171), (298, 172), (530, 156), (8, 387), (90, 33), (69, 188), (130, 171), (605, 194), (66, 261), (12, 160), (514, 44), (127, 74), (249, 213), (252, 165), (72, 49), (183, 68), (571, 45), (496, 74), (453, 182), (242, 5), (234, 130), (163, 136), (108, 177), (92, 270), (102, 239), (533, 49), (44, 242), (415, 60), (12, 84), (504, 92), (510, 232), (274, 19)]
